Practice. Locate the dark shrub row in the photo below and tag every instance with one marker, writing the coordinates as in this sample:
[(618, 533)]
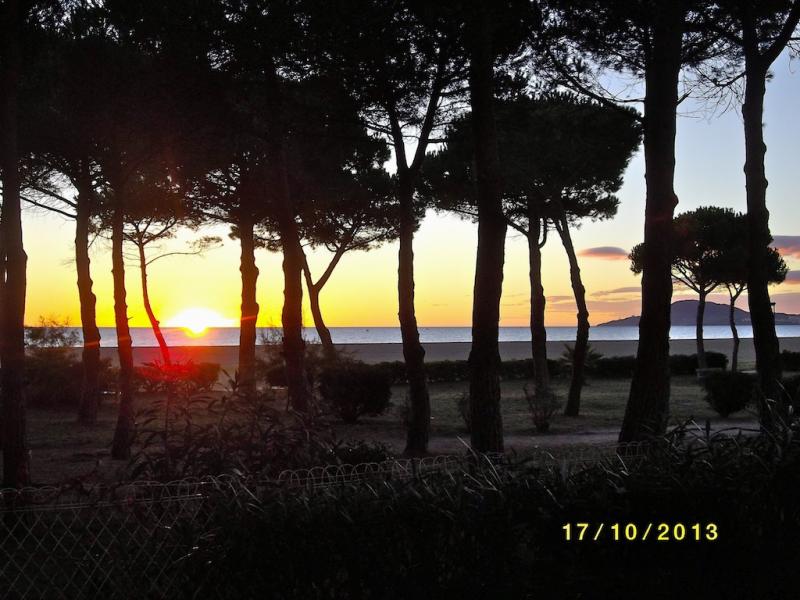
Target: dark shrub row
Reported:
[(54, 377), (500, 534), (604, 367), (679, 364), (442, 371)]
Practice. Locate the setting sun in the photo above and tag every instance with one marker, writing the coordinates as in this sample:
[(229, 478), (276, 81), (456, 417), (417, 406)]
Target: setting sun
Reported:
[(197, 320)]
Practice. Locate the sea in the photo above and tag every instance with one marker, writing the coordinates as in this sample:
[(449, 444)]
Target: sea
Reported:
[(229, 336)]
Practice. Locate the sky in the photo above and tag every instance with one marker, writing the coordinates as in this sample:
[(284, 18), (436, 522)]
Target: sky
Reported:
[(362, 291)]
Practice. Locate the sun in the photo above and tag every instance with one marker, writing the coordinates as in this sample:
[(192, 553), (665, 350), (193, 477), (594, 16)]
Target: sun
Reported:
[(197, 320)]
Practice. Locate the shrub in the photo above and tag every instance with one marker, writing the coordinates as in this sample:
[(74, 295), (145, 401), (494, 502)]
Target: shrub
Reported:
[(458, 370), (186, 435), (353, 389), (790, 360), (679, 364), (542, 408), (53, 370), (190, 377), (728, 392), (613, 367), (686, 364), (53, 379)]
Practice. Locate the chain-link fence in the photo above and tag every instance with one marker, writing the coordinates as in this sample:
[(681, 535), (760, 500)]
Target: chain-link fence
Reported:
[(129, 541)]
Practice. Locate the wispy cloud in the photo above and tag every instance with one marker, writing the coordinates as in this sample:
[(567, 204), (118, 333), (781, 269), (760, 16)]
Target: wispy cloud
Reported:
[(634, 289), (605, 253), (560, 299), (787, 245), (792, 278)]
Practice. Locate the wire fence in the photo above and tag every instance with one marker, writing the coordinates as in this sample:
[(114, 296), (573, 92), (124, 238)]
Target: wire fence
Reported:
[(129, 540)]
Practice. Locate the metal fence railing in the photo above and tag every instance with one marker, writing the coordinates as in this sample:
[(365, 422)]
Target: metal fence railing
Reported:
[(128, 541)]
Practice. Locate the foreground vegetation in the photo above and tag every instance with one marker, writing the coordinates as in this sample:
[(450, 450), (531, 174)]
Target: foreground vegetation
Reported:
[(490, 532)]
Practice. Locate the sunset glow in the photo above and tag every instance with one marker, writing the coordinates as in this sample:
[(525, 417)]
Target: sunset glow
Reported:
[(197, 320)]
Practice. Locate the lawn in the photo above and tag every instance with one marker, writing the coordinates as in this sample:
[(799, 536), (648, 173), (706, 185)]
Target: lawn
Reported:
[(61, 449)]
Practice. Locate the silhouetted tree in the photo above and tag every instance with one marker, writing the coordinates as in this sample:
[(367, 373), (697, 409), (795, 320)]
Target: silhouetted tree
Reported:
[(700, 239), (61, 143), (228, 189), (157, 215), (731, 268), (16, 469), (588, 147), (653, 41), (407, 85), (758, 32), (355, 215)]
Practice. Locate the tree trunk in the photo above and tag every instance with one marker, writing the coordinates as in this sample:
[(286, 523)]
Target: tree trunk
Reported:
[(765, 339), (154, 323), (484, 357), (419, 416), (541, 374), (319, 323), (582, 337), (123, 435), (249, 307), (648, 403), (90, 390), (734, 333), (16, 467), (314, 290), (698, 332), (294, 346)]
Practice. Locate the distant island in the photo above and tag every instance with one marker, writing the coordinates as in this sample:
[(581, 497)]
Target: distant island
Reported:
[(684, 312)]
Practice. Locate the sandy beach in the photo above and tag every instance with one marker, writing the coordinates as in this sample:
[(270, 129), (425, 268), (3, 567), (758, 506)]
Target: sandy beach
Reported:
[(227, 356)]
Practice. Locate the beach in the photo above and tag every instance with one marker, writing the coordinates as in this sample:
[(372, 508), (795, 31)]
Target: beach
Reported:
[(227, 356)]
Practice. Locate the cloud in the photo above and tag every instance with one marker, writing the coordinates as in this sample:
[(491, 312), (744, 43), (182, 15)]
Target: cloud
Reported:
[(787, 245), (605, 253), (792, 278), (559, 299), (634, 289)]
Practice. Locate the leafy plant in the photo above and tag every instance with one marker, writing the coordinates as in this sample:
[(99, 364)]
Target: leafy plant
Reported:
[(178, 377), (353, 389), (542, 406), (730, 392), (53, 370)]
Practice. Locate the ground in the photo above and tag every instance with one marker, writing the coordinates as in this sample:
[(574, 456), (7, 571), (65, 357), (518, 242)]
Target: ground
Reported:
[(61, 449)]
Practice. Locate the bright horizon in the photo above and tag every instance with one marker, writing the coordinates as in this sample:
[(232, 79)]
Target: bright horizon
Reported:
[(362, 291)]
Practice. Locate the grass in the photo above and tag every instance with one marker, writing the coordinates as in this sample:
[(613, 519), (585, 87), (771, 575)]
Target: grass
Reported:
[(61, 449)]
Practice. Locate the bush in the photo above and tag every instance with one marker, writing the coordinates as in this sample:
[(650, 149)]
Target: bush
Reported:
[(728, 392), (190, 377), (446, 371), (613, 367), (53, 369), (679, 364), (353, 389), (686, 364), (790, 360), (542, 408), (53, 379)]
